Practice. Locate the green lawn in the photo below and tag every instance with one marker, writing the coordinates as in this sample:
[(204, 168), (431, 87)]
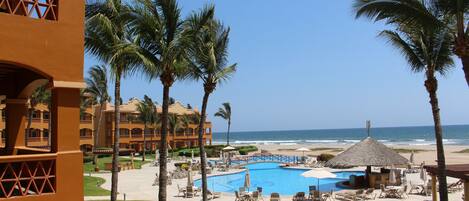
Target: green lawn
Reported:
[(92, 186), (89, 167)]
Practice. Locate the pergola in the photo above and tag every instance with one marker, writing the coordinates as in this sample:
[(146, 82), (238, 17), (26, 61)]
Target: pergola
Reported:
[(460, 171)]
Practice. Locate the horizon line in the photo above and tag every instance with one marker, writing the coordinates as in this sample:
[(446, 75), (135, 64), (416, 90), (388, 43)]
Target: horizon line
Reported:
[(283, 130)]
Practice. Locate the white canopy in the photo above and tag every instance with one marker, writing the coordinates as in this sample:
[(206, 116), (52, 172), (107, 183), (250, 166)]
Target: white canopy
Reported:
[(229, 148), (303, 149), (319, 174)]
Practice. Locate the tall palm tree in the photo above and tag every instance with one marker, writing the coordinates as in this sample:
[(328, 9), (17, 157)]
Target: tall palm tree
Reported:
[(147, 114), (225, 113), (428, 51), (174, 124), (40, 95), (185, 122), (109, 38), (415, 12), (163, 40), (457, 9), (97, 89), (209, 61)]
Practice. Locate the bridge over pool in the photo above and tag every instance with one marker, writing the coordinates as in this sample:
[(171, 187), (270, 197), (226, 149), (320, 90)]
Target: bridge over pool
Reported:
[(244, 160)]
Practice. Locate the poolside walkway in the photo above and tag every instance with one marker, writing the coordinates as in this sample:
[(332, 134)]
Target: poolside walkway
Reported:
[(137, 185)]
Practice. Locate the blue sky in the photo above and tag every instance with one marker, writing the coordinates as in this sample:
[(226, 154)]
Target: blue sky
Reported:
[(311, 65)]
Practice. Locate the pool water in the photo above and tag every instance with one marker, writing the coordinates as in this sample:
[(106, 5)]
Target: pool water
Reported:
[(272, 178)]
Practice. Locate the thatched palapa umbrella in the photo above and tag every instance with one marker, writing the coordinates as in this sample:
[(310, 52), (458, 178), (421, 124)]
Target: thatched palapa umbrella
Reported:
[(368, 152)]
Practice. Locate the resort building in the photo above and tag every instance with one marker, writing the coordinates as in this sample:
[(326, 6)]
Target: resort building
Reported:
[(41, 42), (131, 128)]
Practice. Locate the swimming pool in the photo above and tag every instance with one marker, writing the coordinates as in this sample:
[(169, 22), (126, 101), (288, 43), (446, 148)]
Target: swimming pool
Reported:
[(272, 178)]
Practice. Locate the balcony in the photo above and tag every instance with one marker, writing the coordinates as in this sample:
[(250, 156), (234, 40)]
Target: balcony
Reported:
[(27, 175), (37, 9)]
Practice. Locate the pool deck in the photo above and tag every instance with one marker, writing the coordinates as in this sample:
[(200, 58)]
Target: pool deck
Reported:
[(137, 185)]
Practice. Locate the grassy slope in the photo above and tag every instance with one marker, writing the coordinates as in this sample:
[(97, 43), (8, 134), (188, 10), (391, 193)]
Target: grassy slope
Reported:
[(92, 186)]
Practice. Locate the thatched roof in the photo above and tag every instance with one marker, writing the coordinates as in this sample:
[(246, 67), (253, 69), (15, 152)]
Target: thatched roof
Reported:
[(368, 152)]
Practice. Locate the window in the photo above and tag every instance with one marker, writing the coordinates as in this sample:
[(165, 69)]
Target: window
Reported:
[(124, 132), (124, 117), (36, 115), (45, 133), (86, 133), (35, 133), (45, 116), (136, 132), (86, 117), (3, 114)]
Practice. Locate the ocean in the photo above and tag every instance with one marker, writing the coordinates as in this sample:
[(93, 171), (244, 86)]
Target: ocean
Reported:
[(415, 136)]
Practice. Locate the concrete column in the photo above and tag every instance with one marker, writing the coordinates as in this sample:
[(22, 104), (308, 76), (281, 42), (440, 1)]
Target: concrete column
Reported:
[(65, 119), (434, 193), (66, 143), (15, 125)]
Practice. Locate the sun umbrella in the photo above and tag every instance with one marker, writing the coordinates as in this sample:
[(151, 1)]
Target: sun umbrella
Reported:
[(411, 158), (392, 176), (192, 155), (190, 180), (318, 174), (423, 174), (229, 148), (247, 180), (303, 149)]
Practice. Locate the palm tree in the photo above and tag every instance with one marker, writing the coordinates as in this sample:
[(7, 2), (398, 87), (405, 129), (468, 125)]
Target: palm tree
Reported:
[(225, 113), (457, 9), (185, 122), (163, 39), (97, 89), (428, 51), (209, 61), (415, 12), (40, 95), (109, 38), (174, 123), (426, 45), (147, 114)]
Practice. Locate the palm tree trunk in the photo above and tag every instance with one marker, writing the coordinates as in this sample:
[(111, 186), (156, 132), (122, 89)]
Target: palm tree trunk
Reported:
[(432, 85), (228, 133), (28, 126), (465, 67), (163, 145), (96, 134), (115, 155), (144, 141), (203, 163)]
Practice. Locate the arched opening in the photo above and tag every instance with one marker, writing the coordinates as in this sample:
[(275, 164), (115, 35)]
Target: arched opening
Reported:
[(137, 132), (86, 133), (86, 117)]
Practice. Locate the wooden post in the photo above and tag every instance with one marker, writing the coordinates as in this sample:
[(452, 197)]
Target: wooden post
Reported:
[(434, 193), (466, 190)]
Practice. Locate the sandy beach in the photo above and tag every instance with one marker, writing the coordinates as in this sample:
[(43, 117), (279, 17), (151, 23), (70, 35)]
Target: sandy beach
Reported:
[(425, 153)]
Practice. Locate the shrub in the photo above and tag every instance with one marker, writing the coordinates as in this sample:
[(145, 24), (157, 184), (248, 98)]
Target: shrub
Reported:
[(324, 157), (244, 150)]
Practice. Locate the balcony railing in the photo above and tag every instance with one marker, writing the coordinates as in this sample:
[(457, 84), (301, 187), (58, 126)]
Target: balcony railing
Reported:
[(27, 175), (38, 9), (86, 136)]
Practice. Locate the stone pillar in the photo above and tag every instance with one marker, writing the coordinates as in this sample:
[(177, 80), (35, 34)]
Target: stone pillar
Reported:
[(434, 193), (15, 125)]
